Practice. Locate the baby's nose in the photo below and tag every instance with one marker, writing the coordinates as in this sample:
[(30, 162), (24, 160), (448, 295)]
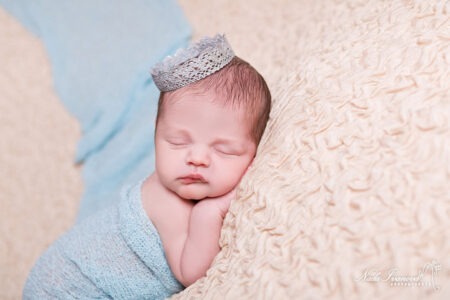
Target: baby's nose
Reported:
[(198, 156)]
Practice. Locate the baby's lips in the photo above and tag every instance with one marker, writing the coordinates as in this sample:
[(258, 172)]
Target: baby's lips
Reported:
[(193, 178)]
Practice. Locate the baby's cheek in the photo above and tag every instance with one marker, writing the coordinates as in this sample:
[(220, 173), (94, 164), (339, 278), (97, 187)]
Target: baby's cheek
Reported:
[(231, 179)]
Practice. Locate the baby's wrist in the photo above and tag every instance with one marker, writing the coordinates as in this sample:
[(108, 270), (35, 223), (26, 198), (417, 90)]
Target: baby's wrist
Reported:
[(209, 207)]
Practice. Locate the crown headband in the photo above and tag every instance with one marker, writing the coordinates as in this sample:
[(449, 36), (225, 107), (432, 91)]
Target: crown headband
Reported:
[(192, 64)]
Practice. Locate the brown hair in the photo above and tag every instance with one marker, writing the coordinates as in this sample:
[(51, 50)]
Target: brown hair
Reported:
[(241, 85)]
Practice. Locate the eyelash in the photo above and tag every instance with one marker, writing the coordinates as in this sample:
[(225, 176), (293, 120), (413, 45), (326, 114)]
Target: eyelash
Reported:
[(224, 152), (177, 143)]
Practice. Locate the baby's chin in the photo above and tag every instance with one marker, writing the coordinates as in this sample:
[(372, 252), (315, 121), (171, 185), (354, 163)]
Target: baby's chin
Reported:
[(192, 193)]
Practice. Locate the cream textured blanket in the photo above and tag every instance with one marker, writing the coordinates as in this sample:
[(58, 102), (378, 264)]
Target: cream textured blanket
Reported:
[(353, 176), (349, 197)]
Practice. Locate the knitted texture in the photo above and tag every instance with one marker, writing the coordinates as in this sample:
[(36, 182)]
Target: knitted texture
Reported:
[(190, 65), (116, 254)]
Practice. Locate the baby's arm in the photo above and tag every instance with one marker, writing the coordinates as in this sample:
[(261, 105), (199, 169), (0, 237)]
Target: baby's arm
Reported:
[(202, 241)]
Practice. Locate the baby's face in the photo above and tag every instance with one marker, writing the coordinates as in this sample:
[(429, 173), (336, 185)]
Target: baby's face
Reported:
[(203, 148)]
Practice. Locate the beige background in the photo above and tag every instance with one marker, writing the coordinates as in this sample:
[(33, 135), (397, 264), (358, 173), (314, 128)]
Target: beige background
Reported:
[(39, 184)]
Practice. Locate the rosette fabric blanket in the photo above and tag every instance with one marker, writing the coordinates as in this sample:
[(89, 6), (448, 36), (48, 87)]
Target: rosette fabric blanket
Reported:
[(115, 254)]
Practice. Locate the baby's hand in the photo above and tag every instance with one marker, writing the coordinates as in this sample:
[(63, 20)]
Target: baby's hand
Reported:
[(221, 203), (202, 242)]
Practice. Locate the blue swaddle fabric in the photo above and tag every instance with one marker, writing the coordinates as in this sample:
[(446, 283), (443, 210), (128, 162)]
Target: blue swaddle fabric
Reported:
[(114, 254), (101, 52)]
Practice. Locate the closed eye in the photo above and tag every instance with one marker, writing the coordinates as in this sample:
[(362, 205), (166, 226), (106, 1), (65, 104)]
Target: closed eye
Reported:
[(178, 142), (226, 151)]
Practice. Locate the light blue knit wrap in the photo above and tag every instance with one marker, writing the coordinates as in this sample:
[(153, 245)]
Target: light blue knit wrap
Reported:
[(115, 254)]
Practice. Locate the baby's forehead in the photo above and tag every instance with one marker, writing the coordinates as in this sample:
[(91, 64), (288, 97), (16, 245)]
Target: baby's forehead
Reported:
[(184, 101), (202, 95)]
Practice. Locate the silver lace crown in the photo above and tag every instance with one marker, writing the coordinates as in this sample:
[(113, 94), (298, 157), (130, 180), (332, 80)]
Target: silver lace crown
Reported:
[(192, 64)]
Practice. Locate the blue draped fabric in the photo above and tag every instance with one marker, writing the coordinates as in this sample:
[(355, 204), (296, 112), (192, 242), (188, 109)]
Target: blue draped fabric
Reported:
[(101, 52)]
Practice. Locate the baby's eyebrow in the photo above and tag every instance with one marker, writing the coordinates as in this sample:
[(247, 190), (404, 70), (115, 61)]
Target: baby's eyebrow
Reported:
[(230, 142), (225, 141), (178, 131)]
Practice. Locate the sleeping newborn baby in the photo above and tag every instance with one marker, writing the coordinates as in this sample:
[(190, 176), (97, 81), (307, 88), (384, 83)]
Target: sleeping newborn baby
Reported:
[(164, 233)]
